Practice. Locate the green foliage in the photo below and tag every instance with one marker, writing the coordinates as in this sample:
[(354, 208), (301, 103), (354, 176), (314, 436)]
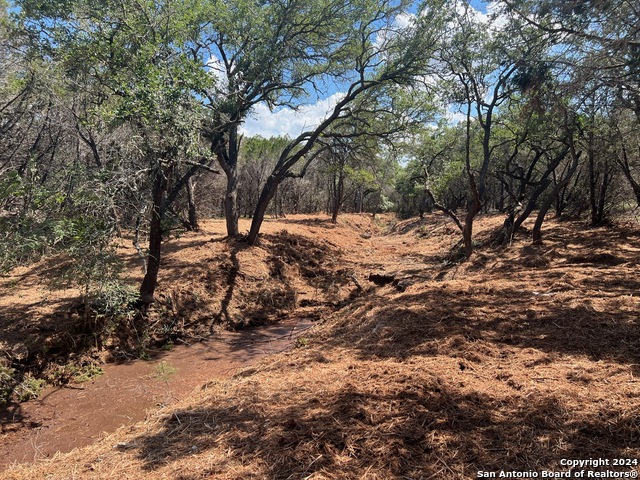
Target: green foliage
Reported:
[(133, 93), (29, 388), (75, 373), (360, 175), (78, 224), (132, 56), (278, 48), (87, 373), (7, 383), (411, 190), (112, 299), (386, 205), (255, 148), (436, 161), (46, 225), (164, 371)]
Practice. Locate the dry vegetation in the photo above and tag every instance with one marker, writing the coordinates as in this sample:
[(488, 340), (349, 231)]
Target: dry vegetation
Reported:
[(513, 360)]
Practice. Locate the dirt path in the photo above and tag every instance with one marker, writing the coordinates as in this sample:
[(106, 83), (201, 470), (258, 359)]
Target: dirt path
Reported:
[(66, 418)]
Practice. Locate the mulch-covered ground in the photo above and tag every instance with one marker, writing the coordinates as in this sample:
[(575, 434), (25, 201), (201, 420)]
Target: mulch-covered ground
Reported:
[(512, 361)]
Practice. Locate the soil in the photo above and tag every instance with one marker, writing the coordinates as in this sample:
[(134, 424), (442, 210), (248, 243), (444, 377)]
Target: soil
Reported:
[(71, 416), (418, 365)]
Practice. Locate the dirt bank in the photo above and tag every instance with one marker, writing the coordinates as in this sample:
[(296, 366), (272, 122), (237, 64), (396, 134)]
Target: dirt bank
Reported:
[(64, 418)]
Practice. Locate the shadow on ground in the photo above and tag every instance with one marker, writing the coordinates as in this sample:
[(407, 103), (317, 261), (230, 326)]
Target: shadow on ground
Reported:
[(407, 428)]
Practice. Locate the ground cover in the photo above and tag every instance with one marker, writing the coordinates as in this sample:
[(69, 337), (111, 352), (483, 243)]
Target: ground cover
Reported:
[(512, 361)]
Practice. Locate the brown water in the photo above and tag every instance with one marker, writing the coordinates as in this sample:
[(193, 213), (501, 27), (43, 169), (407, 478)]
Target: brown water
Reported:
[(65, 418)]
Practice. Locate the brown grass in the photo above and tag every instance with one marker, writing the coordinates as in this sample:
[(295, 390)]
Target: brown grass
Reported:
[(514, 360)]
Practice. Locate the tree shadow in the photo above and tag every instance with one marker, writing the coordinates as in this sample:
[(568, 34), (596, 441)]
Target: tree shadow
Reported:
[(308, 222), (424, 323), (12, 418), (239, 286), (186, 243), (232, 276), (582, 236), (407, 428), (562, 249), (424, 427), (318, 263)]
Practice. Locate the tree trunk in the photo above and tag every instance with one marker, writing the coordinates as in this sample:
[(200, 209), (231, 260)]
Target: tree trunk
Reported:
[(360, 200), (472, 211), (636, 188), (228, 159), (150, 281), (593, 181), (634, 185), (231, 203), (602, 198), (334, 213), (537, 227), (193, 211), (559, 200), (376, 205), (467, 234), (268, 192), (338, 197), (626, 170), (540, 189), (474, 203)]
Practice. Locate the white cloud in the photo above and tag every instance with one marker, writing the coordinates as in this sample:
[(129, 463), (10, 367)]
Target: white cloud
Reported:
[(462, 9), (454, 117), (499, 18), (404, 20), (286, 121)]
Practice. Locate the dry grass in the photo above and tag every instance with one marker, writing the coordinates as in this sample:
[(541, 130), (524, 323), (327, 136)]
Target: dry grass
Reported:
[(514, 360)]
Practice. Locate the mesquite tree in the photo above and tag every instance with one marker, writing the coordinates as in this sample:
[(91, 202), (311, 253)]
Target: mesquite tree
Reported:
[(129, 58), (281, 54), (485, 61), (379, 53)]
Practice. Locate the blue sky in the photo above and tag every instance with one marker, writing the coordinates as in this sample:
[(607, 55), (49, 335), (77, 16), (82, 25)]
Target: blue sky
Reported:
[(479, 5)]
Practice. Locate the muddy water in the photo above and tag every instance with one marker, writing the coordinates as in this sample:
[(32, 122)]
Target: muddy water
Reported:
[(65, 418)]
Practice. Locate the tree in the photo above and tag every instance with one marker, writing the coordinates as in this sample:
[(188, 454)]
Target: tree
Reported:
[(540, 128), (344, 163), (598, 42), (377, 54), (628, 151), (435, 171), (256, 159), (483, 61), (278, 53), (131, 56), (600, 39), (360, 152), (52, 197)]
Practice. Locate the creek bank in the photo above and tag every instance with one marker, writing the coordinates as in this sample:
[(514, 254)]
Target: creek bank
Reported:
[(64, 418)]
